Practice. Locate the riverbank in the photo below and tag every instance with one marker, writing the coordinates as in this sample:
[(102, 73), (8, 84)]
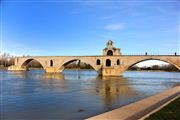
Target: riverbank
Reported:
[(168, 112), (140, 108), (6, 68), (152, 71)]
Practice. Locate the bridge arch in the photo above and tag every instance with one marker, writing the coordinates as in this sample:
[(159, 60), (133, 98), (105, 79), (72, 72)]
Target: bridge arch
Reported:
[(62, 66), (27, 61), (147, 59)]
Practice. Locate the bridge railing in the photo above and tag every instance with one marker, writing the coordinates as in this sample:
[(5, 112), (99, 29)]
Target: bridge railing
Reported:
[(131, 54), (150, 54)]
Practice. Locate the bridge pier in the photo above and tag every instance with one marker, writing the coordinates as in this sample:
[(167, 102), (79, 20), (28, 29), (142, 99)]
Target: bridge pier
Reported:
[(112, 71), (52, 70), (47, 69), (16, 68)]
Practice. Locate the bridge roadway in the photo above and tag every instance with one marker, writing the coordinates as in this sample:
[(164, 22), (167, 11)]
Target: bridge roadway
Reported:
[(105, 65)]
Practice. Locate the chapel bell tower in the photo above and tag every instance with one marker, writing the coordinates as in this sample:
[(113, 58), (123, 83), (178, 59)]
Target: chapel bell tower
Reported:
[(110, 49)]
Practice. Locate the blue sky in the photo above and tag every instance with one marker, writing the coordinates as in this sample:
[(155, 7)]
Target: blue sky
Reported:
[(70, 27)]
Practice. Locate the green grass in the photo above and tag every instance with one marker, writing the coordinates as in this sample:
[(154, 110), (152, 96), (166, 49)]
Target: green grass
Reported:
[(169, 112)]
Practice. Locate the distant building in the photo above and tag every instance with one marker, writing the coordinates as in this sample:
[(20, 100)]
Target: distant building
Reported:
[(111, 49)]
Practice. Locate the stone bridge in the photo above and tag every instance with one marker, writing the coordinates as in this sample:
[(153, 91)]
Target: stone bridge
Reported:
[(111, 63)]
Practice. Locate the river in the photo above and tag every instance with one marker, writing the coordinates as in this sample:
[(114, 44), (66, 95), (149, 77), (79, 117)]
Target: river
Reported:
[(75, 94)]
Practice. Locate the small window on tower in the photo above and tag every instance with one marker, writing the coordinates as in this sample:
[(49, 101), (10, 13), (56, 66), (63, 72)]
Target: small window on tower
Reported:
[(118, 62), (109, 52)]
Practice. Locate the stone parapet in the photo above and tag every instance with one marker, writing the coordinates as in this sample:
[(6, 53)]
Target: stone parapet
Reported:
[(107, 65)]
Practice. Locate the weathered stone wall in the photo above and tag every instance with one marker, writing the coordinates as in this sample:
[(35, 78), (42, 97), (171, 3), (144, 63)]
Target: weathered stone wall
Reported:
[(113, 70)]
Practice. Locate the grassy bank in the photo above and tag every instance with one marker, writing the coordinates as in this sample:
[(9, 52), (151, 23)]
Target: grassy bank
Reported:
[(169, 112)]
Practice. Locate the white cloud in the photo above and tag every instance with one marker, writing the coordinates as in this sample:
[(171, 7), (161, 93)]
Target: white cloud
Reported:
[(116, 26)]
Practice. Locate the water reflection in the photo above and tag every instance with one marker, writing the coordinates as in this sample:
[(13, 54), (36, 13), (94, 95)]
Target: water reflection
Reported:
[(112, 89), (25, 74), (38, 74), (55, 76)]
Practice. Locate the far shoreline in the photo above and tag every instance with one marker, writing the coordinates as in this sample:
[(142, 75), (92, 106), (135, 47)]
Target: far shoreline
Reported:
[(6, 68)]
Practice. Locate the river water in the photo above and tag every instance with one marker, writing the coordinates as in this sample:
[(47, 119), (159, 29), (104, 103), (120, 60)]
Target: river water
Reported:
[(75, 94)]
